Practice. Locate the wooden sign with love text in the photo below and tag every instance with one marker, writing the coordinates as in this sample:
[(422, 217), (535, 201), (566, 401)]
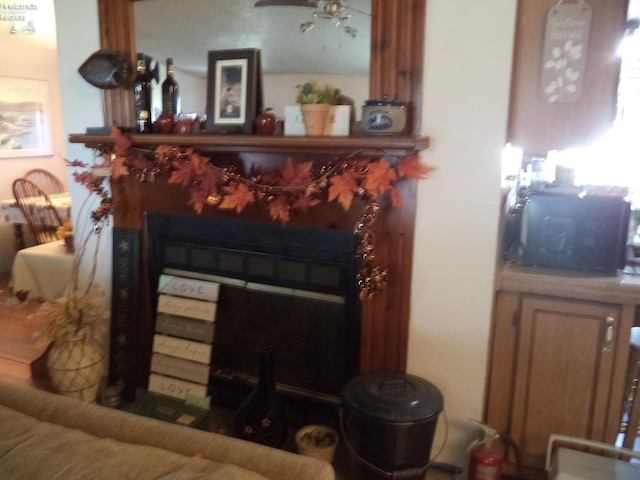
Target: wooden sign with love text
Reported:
[(189, 287)]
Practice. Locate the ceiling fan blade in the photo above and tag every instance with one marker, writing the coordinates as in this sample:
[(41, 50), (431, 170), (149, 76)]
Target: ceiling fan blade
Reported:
[(357, 10), (288, 3)]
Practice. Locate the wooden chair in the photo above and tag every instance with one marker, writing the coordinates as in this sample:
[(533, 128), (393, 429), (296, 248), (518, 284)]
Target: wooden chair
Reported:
[(46, 180), (41, 215)]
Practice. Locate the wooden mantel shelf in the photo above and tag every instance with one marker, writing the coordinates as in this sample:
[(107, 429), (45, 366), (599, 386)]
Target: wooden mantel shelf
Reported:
[(390, 145)]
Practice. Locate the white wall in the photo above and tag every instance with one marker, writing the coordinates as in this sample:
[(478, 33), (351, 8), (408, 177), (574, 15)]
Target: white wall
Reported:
[(82, 109), (467, 73), (467, 81), (31, 56), (279, 90)]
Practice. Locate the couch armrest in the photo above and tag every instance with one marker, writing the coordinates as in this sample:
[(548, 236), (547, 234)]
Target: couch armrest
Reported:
[(127, 427)]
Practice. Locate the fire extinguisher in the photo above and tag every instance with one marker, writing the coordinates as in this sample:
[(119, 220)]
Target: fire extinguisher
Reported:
[(487, 454)]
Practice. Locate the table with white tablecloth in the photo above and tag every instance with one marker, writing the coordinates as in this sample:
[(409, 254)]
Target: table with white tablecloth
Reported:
[(41, 272), (11, 212)]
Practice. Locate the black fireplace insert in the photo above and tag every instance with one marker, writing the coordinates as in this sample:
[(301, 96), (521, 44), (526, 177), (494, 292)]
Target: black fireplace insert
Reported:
[(290, 287)]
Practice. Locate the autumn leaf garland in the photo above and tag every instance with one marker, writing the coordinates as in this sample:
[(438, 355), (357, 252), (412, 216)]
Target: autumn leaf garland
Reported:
[(295, 187)]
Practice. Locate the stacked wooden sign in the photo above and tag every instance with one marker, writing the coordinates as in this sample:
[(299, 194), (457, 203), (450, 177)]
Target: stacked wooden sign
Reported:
[(184, 331)]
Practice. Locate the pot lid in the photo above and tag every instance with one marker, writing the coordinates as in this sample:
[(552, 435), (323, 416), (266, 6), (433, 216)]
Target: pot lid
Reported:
[(393, 397), (384, 103)]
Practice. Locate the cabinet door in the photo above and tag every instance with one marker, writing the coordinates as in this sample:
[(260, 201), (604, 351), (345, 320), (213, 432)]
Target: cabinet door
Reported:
[(563, 374)]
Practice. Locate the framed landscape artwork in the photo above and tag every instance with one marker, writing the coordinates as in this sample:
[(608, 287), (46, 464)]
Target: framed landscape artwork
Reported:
[(234, 90), (24, 118)]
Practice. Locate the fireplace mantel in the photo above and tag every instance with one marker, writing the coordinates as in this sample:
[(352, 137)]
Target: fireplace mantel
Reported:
[(385, 316), (392, 145)]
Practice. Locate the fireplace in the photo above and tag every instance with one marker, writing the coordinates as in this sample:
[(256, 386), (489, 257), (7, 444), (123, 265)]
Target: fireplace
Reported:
[(293, 288), (377, 342)]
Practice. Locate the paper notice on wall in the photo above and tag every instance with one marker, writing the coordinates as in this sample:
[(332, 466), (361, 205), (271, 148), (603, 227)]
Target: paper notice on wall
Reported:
[(564, 55)]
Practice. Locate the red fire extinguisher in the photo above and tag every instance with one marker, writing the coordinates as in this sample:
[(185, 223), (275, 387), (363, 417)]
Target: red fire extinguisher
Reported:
[(487, 455)]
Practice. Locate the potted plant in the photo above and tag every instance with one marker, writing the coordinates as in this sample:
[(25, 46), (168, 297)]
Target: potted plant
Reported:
[(65, 233), (76, 358), (315, 101), (317, 441)]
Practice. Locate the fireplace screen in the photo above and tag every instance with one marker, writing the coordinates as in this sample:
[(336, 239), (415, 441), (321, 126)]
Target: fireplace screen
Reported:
[(290, 287)]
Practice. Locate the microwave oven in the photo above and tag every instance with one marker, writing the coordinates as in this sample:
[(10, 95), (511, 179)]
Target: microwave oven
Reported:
[(572, 231)]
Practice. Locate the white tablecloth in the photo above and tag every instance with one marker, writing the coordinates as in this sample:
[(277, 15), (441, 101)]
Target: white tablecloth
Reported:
[(42, 271), (10, 211)]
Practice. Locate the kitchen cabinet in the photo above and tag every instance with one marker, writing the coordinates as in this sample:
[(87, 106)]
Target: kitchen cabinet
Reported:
[(559, 348)]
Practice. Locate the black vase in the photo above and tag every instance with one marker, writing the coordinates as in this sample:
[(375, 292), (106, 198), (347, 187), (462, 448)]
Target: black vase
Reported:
[(261, 417)]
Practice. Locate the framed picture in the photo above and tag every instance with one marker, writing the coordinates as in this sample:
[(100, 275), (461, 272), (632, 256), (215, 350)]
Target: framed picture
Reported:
[(24, 118), (234, 90)]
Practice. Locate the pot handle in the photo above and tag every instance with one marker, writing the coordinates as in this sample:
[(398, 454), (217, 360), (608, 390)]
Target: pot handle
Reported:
[(398, 474)]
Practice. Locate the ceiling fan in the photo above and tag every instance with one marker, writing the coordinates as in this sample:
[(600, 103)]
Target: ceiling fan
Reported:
[(332, 10)]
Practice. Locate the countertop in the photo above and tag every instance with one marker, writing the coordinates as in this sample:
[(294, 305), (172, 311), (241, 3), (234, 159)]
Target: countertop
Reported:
[(615, 287)]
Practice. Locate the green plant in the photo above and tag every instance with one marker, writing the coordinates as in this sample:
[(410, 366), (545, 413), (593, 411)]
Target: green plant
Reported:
[(314, 92)]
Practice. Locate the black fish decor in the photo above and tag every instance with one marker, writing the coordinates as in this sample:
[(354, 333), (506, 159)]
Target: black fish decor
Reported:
[(105, 69)]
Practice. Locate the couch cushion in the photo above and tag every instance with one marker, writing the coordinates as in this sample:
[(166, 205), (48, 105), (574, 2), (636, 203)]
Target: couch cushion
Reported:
[(126, 427), (33, 450)]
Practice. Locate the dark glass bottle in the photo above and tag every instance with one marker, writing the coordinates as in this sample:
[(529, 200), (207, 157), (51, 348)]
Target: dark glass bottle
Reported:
[(261, 418), (170, 91), (142, 93)]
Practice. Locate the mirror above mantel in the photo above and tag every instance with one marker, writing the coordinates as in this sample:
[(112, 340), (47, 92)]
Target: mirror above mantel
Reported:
[(190, 28), (335, 49), (396, 55)]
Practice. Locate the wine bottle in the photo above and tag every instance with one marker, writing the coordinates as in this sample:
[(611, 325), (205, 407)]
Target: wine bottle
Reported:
[(260, 418), (142, 93), (170, 91)]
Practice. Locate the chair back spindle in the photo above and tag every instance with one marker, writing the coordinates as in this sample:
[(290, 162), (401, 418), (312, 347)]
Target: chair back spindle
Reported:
[(42, 217), (46, 180)]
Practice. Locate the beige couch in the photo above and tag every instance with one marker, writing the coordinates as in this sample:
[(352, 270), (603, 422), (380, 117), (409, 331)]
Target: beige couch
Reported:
[(48, 436)]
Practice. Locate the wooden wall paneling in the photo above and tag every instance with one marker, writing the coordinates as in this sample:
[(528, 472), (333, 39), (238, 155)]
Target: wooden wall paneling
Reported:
[(117, 32), (397, 52), (538, 126)]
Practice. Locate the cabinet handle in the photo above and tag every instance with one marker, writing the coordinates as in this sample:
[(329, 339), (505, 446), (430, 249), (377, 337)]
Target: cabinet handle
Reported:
[(608, 337)]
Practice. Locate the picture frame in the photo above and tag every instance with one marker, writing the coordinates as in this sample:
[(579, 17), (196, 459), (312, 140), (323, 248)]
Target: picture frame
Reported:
[(25, 115), (234, 90)]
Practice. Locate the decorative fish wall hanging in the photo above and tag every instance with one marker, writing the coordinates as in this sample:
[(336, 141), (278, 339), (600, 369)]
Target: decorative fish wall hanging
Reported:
[(105, 69)]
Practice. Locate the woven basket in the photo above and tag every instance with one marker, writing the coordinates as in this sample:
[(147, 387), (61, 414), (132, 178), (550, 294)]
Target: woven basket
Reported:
[(76, 365)]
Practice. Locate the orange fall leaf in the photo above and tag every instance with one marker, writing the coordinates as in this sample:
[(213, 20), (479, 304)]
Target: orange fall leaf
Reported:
[(183, 173), (343, 188), (238, 197), (411, 167), (279, 210), (396, 199), (118, 167), (295, 174), (379, 177)]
